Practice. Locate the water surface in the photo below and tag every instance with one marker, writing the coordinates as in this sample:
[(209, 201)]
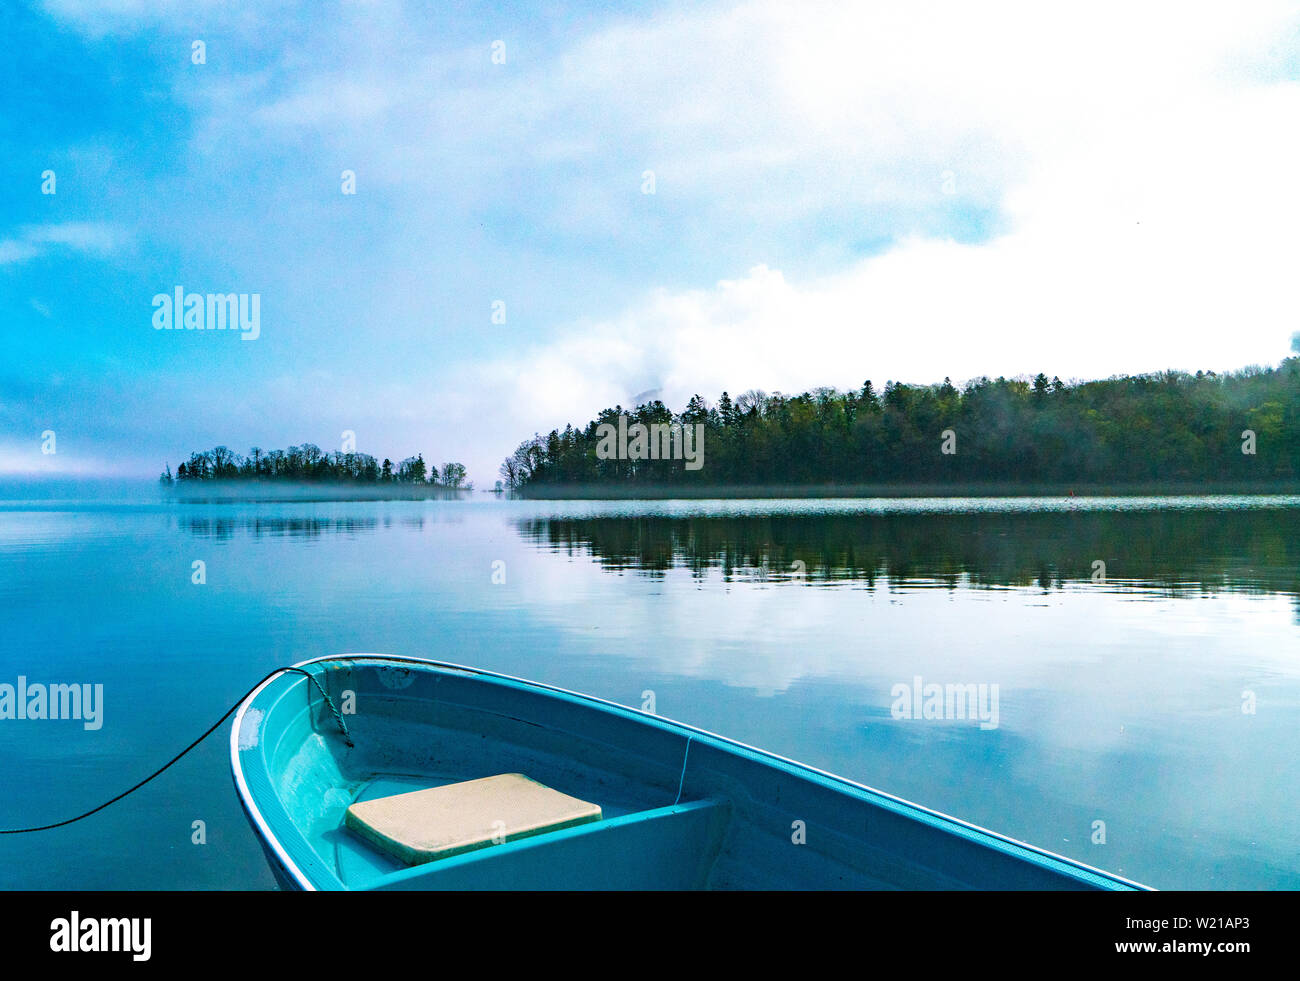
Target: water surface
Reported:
[(785, 624)]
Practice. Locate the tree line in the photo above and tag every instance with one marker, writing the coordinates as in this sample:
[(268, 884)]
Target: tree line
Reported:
[(310, 464), (1164, 428)]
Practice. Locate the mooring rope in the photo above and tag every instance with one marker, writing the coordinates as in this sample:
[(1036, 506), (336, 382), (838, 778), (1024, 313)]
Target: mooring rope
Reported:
[(211, 729)]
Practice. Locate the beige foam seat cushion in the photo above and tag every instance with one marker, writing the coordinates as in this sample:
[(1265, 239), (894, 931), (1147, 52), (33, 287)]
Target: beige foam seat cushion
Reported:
[(426, 825)]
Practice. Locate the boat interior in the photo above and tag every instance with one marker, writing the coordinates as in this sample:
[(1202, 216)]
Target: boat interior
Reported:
[(677, 808)]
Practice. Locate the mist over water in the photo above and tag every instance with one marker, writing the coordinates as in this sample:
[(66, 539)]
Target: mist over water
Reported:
[(785, 624)]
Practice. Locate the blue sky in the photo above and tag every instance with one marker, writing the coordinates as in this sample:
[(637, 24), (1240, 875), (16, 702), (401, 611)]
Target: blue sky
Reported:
[(840, 192)]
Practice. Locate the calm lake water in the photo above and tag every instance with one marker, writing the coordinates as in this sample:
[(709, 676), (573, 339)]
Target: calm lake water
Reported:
[(1123, 698)]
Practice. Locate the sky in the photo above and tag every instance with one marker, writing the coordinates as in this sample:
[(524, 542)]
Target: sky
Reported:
[(839, 192)]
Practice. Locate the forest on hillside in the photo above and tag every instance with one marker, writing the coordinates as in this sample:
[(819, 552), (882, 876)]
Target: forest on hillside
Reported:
[(1166, 428)]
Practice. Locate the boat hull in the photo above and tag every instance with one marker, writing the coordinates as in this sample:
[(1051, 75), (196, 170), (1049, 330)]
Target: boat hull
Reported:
[(683, 808)]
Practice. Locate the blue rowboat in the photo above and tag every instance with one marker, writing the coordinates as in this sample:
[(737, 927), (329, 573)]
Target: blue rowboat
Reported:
[(375, 772)]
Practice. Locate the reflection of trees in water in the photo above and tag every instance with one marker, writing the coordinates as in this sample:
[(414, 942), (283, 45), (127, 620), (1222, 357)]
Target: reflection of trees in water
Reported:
[(1173, 551), (225, 528)]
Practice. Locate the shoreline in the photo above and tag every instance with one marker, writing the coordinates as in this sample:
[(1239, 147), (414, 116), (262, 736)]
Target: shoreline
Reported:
[(875, 491)]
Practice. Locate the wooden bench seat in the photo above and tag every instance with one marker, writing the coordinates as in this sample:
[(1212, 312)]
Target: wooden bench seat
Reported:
[(427, 825)]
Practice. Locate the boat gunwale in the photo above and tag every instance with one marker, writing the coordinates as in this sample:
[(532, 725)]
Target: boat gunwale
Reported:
[(631, 714), (267, 837)]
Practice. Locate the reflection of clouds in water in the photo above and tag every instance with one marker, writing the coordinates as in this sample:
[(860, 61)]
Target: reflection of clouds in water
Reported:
[(1087, 672), (744, 634)]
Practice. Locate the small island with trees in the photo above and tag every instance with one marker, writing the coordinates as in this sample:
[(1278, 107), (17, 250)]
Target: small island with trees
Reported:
[(308, 464)]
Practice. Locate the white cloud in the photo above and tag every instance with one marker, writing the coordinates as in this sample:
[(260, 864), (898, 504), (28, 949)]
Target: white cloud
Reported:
[(97, 18), (84, 236), (16, 250), (78, 236), (760, 109)]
